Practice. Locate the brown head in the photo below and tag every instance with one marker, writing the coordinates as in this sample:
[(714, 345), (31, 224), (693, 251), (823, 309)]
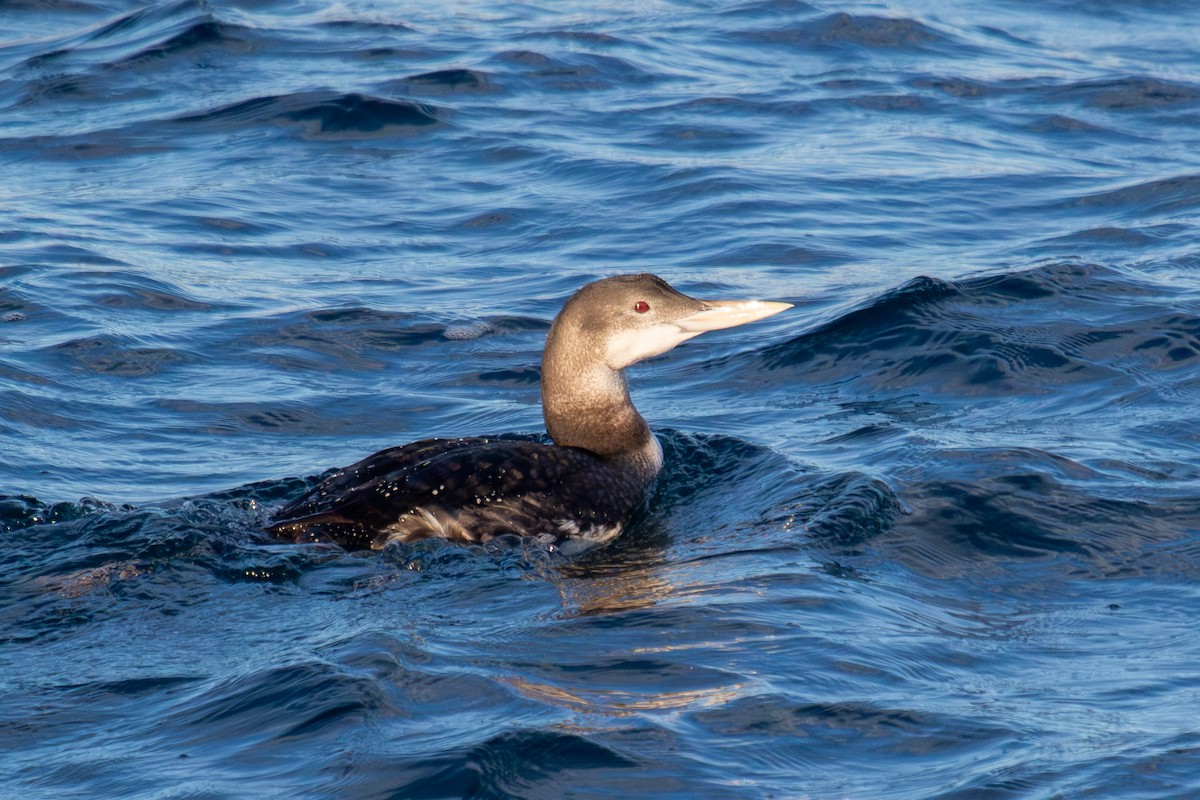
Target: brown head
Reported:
[(607, 326)]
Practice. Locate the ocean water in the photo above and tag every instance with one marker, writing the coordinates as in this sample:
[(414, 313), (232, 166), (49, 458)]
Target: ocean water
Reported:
[(933, 533)]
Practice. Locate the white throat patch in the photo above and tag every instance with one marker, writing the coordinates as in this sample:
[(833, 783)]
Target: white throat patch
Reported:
[(630, 347)]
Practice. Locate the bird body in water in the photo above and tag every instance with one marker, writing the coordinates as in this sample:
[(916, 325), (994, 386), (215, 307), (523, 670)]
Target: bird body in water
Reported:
[(574, 493)]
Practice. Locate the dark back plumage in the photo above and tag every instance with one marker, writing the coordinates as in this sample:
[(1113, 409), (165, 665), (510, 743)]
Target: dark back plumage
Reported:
[(471, 490)]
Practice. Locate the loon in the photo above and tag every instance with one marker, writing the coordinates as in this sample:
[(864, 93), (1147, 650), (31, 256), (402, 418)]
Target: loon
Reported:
[(574, 494)]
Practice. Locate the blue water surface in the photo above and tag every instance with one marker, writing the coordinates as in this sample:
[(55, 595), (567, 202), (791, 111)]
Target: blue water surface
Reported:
[(934, 533)]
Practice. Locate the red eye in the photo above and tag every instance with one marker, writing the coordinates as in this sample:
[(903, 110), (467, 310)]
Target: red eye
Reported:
[(641, 306)]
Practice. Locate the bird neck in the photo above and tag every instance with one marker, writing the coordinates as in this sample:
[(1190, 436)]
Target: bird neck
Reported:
[(586, 404)]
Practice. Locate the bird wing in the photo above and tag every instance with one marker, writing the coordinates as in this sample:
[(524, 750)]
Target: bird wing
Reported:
[(468, 489), (328, 494)]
